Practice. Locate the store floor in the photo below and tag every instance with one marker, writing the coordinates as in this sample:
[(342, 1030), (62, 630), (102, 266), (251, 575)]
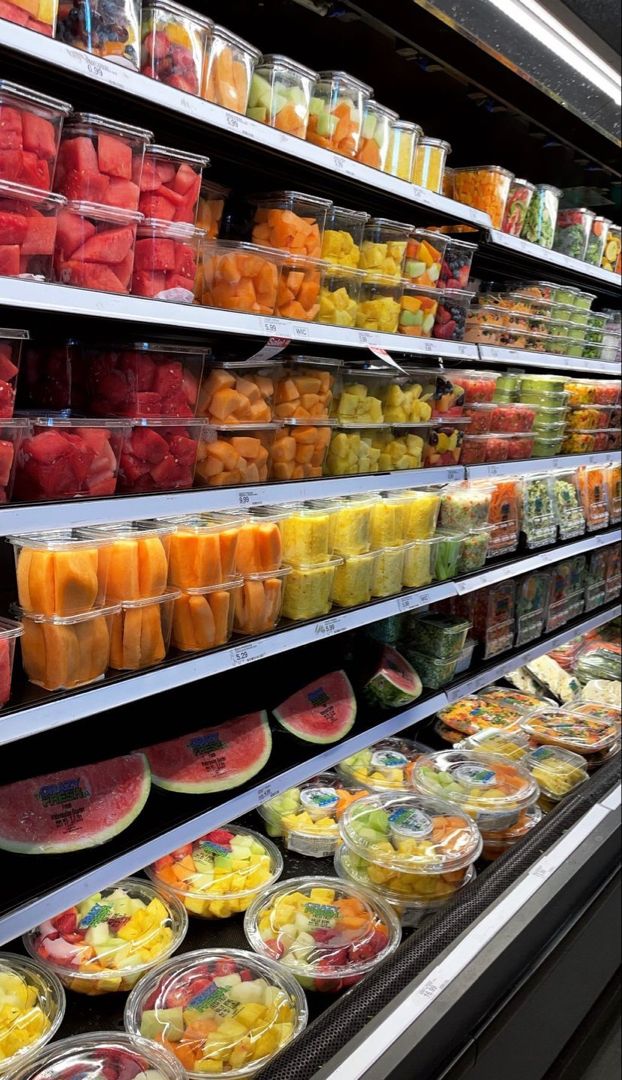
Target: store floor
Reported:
[(595, 1053)]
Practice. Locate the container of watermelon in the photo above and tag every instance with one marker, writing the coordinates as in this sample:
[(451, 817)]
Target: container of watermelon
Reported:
[(10, 355), (31, 125), (62, 457), (394, 683), (95, 246), (101, 160), (142, 378), (9, 633), (166, 260), (170, 184), (159, 455), (46, 374), (28, 226), (12, 435)]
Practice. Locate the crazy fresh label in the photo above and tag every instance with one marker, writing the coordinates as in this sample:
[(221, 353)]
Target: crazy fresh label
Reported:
[(319, 798), (97, 914), (389, 759), (216, 998), (410, 821), (321, 916), (215, 849), (475, 775), (70, 790)]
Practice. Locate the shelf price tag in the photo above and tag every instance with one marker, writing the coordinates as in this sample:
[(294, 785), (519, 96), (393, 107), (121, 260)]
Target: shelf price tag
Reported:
[(247, 654), (268, 791), (273, 346), (329, 627), (470, 584), (413, 600), (250, 498)]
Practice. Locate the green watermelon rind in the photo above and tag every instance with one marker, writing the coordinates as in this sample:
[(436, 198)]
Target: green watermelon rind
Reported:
[(309, 736), (102, 837), (385, 688), (233, 780)]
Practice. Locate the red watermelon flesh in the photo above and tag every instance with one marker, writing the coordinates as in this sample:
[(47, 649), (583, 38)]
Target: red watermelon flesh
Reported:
[(394, 682), (32, 137), (13, 227), (40, 235), (39, 135), (73, 809), (71, 232), (13, 14), (9, 260), (148, 283), (214, 758), (114, 156), (123, 193), (91, 186), (109, 246), (154, 206), (11, 161), (59, 463), (7, 453), (7, 400), (129, 383), (322, 712), (35, 171), (169, 193), (6, 667), (159, 459), (89, 276)]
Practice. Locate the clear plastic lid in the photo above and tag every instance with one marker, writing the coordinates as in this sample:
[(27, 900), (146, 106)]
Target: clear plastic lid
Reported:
[(171, 230), (473, 713), (123, 930), (428, 140), (170, 153), (408, 832), (168, 595), (322, 928), (406, 125), (277, 60), (95, 612), (597, 710), (565, 728), (8, 333), (385, 766), (231, 862), (60, 540), (31, 99), (408, 905), (484, 168), (114, 214), (102, 1054), (501, 839), (106, 124), (485, 786), (509, 744), (236, 41), (32, 1006), (46, 200), (512, 699), (556, 771), (9, 629), (221, 1011), (313, 809), (342, 76)]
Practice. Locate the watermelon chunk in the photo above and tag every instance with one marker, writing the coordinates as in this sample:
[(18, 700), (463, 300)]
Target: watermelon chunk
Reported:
[(39, 135), (123, 193), (109, 246), (154, 206), (35, 171), (7, 454), (150, 177), (84, 184), (40, 235), (78, 154), (148, 445), (6, 670), (114, 156), (62, 462), (89, 276), (322, 712), (213, 758), (148, 283), (394, 683), (13, 227), (154, 253), (11, 162), (72, 230), (9, 260)]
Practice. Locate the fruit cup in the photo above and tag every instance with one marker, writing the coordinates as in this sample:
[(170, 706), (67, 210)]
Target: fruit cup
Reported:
[(110, 940), (309, 588), (101, 161), (112, 33), (424, 258), (558, 772), (513, 417), (259, 601), (304, 388), (376, 135), (228, 69), (280, 94), (33, 1004), (10, 356), (384, 248), (165, 261), (99, 1053), (299, 449), (517, 205), (261, 1009), (388, 573), (597, 240), (139, 379), (541, 217), (456, 776), (203, 551), (438, 392), (290, 221), (237, 454), (60, 573), (203, 617), (133, 558), (573, 232), (402, 147), (39, 16), (339, 295), (12, 435), (429, 166), (359, 398), (480, 417), (336, 112), (29, 220), (385, 766), (353, 581), (259, 542), (62, 458), (611, 259), (418, 311), (64, 652), (9, 632), (594, 490), (579, 733), (31, 126), (95, 246), (443, 442), (305, 533), (150, 621), (485, 187), (404, 400), (239, 277), (479, 386), (352, 451), (306, 817), (211, 206), (379, 303), (235, 392), (298, 295), (398, 448), (220, 874), (173, 43), (170, 184), (457, 264), (343, 236), (419, 563), (159, 455)]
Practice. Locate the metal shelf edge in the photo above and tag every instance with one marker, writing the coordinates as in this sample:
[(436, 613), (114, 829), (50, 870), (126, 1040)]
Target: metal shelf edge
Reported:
[(535, 465), (490, 354), (562, 262)]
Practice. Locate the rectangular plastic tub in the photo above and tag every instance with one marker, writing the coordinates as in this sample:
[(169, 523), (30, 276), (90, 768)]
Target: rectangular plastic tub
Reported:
[(538, 518), (299, 449), (62, 653), (30, 220), (111, 33), (159, 455), (480, 417), (141, 632), (31, 124), (10, 357), (133, 557), (402, 147), (383, 250), (298, 295), (203, 617), (485, 187), (353, 450), (596, 580), (61, 458), (280, 94), (424, 258), (259, 601), (236, 392), (238, 454), (353, 581), (60, 573), (350, 523), (170, 184), (173, 43), (101, 161), (433, 672), (545, 446), (203, 552), (448, 552), (419, 563), (517, 205), (304, 387), (108, 379), (306, 534), (343, 236), (212, 201), (12, 435), (95, 247), (336, 112), (450, 323), (166, 261), (573, 232), (359, 398), (290, 221), (228, 68), (594, 496), (388, 571), (479, 386), (456, 267), (376, 135), (504, 516), (429, 165), (379, 303), (568, 506), (588, 417), (418, 311), (557, 771), (9, 632), (443, 442), (465, 658), (579, 442), (514, 417), (309, 588), (474, 549), (239, 277), (339, 295)]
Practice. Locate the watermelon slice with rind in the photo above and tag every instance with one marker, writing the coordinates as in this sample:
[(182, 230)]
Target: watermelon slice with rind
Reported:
[(214, 758), (73, 809), (394, 682), (322, 712)]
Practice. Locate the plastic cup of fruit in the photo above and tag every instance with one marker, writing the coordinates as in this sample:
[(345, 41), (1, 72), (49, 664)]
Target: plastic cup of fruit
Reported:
[(588, 417), (62, 458), (384, 248), (465, 506), (451, 315), (102, 1053), (170, 184), (577, 732), (485, 187), (581, 391), (89, 26), (418, 311), (30, 231), (456, 266), (212, 200), (203, 616), (514, 745), (234, 454), (280, 94), (290, 221), (228, 68), (350, 523), (402, 148), (597, 240), (376, 135), (479, 386), (309, 588), (339, 295), (517, 205), (159, 454), (94, 246), (336, 112), (385, 766), (444, 442), (173, 44), (419, 562), (558, 772), (480, 417), (107, 380), (573, 232), (497, 843), (298, 295), (101, 161), (166, 261), (424, 258), (219, 874), (359, 398), (10, 357), (343, 236), (325, 932), (239, 277), (388, 571), (541, 217), (33, 1006), (258, 603), (32, 124), (305, 533), (607, 392), (134, 559), (579, 442), (300, 449), (236, 392), (353, 580), (12, 435), (429, 164), (60, 573), (552, 385), (150, 619), (490, 789), (306, 817), (110, 940), (612, 259)]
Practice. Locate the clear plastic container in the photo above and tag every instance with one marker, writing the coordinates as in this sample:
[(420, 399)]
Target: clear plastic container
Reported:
[(579, 299), (437, 635), (101, 161), (236, 392), (489, 789), (350, 523), (9, 632), (443, 442), (385, 766), (299, 449), (33, 1009), (497, 843), (253, 1023), (456, 266), (573, 232), (402, 148), (212, 201), (10, 356), (228, 68), (485, 187), (203, 551), (466, 656), (545, 446), (478, 386), (388, 571), (418, 311), (510, 744), (298, 295), (517, 205), (383, 250), (376, 135), (429, 165), (60, 573), (353, 580), (290, 221), (98, 1053), (594, 491), (170, 184), (95, 246), (237, 454), (239, 277), (259, 601), (447, 554), (451, 315), (133, 558), (343, 912), (203, 617), (31, 219), (538, 518), (309, 588), (64, 652), (597, 240), (259, 545), (424, 258), (12, 435), (141, 632), (31, 124), (419, 563), (588, 417), (614, 489), (475, 714), (90, 956), (434, 673), (343, 236), (612, 255), (142, 378), (41, 18), (336, 112), (113, 34), (306, 817), (558, 772), (352, 450), (570, 515), (220, 874), (304, 388), (465, 506), (159, 455), (549, 420), (504, 515), (305, 534), (63, 458), (339, 296), (581, 734), (173, 43), (280, 94), (541, 217), (166, 261), (474, 549)]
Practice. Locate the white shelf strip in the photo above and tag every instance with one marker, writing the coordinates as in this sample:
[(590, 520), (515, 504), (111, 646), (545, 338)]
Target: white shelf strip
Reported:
[(492, 354), (553, 258), (536, 465)]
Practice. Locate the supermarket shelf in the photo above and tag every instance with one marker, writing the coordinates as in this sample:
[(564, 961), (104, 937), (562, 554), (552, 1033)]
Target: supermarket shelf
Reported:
[(535, 465), (35, 717), (72, 61), (553, 259), (490, 354)]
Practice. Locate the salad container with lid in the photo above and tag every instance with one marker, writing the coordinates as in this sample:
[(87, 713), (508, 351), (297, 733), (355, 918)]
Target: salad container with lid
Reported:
[(306, 817), (490, 789), (579, 733), (474, 713), (385, 766), (326, 933), (102, 1053), (32, 1006), (222, 1011)]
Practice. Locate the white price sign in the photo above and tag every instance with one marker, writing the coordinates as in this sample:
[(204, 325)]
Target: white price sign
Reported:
[(413, 601), (268, 791), (250, 498), (246, 654), (329, 627)]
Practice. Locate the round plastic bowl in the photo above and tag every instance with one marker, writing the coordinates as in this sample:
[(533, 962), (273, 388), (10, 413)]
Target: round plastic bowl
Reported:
[(219, 874), (101, 1053), (489, 788), (123, 931), (32, 1006), (256, 1006), (327, 933), (385, 766), (307, 816)]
